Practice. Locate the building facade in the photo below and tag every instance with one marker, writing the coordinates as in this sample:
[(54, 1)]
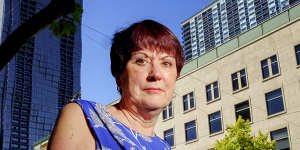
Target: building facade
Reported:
[(255, 75), (41, 78), (223, 20)]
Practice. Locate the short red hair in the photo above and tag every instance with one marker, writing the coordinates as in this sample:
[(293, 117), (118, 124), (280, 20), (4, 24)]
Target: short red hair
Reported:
[(146, 34)]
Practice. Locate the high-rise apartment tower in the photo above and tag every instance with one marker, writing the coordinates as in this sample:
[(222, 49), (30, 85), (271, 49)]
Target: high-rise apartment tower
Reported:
[(223, 20), (41, 78)]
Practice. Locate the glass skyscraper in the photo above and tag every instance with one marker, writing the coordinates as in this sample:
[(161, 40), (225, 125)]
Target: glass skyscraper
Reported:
[(41, 78), (224, 19)]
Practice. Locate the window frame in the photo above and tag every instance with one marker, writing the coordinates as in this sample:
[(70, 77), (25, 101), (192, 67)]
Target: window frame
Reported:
[(283, 103), (164, 136), (212, 92), (270, 68), (189, 108), (209, 123), (297, 61), (167, 109), (239, 80), (185, 132), (249, 107), (288, 135)]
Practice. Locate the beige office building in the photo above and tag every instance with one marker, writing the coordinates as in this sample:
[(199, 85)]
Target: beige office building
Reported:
[(255, 75)]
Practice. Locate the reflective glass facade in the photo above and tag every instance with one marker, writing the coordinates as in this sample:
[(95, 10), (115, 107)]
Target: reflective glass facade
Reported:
[(41, 78), (224, 19), (1, 15)]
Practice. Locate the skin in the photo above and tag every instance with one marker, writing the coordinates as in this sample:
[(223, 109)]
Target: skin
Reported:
[(147, 85), (71, 131)]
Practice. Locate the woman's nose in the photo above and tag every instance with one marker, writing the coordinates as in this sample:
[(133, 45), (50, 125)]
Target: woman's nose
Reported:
[(154, 73)]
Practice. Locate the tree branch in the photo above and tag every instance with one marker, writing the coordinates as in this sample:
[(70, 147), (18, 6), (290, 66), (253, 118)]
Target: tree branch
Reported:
[(26, 31)]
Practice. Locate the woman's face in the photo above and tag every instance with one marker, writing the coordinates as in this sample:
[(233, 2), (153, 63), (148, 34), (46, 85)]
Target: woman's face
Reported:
[(148, 80)]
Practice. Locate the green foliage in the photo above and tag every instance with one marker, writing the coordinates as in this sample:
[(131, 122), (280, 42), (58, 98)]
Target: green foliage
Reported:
[(238, 138), (77, 13), (65, 27), (62, 27)]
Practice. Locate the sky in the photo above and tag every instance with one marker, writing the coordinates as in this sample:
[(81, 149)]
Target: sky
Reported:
[(101, 19)]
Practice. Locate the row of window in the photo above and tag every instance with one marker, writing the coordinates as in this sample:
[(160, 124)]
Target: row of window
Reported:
[(274, 103), (66, 73), (280, 136), (23, 84)]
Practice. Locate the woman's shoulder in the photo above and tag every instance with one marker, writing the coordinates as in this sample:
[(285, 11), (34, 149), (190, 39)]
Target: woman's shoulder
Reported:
[(72, 110), (71, 129)]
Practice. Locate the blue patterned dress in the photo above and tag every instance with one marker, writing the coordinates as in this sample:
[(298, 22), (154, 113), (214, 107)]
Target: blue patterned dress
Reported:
[(111, 134)]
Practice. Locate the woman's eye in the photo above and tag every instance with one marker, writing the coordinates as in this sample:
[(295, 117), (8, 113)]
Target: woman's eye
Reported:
[(141, 61), (167, 64)]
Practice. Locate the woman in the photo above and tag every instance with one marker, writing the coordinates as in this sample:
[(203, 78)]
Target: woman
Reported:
[(146, 59)]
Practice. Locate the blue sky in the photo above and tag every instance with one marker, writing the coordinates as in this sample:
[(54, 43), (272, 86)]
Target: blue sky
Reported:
[(101, 19)]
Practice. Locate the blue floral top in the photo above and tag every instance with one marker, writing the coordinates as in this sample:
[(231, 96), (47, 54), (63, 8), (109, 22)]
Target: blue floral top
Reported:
[(111, 134)]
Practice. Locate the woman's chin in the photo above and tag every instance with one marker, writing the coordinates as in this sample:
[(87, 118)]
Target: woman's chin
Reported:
[(154, 104)]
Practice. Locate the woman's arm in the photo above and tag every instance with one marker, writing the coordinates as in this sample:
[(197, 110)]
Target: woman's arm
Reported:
[(71, 131)]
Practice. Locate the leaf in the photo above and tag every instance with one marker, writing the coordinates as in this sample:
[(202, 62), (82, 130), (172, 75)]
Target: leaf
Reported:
[(55, 28), (77, 13), (65, 27)]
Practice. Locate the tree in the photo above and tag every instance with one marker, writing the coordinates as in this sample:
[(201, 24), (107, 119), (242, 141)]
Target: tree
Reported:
[(238, 138), (53, 11)]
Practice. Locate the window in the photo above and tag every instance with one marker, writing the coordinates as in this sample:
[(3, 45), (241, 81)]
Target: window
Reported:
[(215, 123), (168, 111), (239, 80), (190, 131), (212, 91), (14, 145), (169, 136), (269, 64), (297, 50), (274, 102), (24, 147), (282, 139), (188, 101), (242, 109)]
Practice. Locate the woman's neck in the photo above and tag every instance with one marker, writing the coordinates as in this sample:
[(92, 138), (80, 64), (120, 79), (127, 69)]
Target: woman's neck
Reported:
[(138, 119)]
